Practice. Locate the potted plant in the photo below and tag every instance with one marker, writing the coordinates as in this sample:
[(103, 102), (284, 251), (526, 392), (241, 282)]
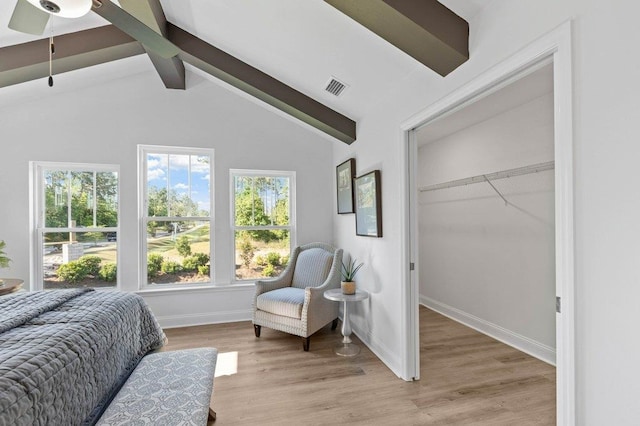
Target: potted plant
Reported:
[(349, 272), (4, 260)]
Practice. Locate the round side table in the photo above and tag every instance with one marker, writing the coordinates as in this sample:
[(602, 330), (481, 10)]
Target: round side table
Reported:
[(347, 348), (10, 285)]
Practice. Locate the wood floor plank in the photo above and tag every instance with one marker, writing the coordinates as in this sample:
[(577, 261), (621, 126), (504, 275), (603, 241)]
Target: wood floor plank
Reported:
[(467, 378)]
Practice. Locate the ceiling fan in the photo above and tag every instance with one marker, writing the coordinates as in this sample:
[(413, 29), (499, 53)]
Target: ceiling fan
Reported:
[(32, 16)]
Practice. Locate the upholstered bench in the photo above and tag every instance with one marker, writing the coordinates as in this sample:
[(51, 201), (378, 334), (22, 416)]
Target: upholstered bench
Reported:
[(166, 388)]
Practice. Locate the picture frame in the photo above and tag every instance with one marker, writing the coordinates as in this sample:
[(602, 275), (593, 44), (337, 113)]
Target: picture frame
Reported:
[(368, 205), (345, 174)]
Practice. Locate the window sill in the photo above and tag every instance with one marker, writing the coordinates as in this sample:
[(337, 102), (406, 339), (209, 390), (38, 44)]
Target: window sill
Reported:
[(196, 288)]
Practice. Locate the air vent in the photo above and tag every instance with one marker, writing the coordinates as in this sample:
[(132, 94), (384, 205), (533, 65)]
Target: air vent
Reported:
[(335, 87)]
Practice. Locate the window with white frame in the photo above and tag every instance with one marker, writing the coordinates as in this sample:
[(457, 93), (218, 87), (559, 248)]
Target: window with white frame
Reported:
[(75, 213), (262, 221), (176, 222)]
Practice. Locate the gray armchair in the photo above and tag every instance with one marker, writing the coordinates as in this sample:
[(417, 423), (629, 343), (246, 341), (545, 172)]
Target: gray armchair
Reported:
[(294, 301)]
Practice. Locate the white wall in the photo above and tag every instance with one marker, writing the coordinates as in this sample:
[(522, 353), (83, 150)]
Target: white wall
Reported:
[(606, 133), (103, 121), (489, 265)]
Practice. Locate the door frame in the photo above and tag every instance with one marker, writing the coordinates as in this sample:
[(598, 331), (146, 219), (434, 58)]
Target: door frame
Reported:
[(556, 47)]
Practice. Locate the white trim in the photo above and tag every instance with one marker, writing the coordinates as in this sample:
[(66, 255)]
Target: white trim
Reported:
[(565, 226), (410, 363), (143, 152), (556, 45), (529, 346), (388, 357), (189, 320), (160, 290), (37, 227)]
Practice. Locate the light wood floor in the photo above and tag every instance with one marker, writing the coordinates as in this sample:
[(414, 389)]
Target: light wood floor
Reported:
[(467, 379)]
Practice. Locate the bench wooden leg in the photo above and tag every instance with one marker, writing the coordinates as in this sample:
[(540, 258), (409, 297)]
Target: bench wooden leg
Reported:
[(305, 343), (256, 329), (212, 415), (334, 324)]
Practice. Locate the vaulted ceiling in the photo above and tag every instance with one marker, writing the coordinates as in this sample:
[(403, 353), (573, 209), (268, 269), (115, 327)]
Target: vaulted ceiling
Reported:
[(288, 50)]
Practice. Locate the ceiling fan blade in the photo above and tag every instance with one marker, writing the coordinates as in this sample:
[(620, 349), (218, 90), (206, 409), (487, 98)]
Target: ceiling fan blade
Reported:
[(28, 19), (136, 29)]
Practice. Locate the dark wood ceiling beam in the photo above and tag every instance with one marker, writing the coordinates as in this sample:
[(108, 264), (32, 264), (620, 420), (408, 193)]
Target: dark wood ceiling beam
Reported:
[(150, 13), (29, 61), (243, 76), (424, 29)]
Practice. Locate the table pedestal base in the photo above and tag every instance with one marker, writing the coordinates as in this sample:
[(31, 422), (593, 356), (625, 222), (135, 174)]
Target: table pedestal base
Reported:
[(347, 349)]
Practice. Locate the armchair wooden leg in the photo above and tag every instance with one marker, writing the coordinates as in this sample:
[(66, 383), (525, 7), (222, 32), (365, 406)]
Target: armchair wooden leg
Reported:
[(256, 329), (305, 343), (334, 324), (212, 415)]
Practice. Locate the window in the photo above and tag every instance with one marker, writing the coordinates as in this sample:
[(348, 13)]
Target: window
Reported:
[(262, 221), (175, 210), (75, 216)]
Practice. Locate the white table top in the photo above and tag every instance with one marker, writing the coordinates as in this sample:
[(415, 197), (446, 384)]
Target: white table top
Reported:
[(10, 285), (337, 295)]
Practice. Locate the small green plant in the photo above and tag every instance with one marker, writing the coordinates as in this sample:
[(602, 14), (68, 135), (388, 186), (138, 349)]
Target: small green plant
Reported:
[(154, 264), (246, 251), (273, 258), (72, 272), (108, 272), (203, 269), (183, 246), (170, 267), (4, 260), (350, 270), (269, 271), (93, 236), (261, 260), (285, 260), (91, 264), (192, 262)]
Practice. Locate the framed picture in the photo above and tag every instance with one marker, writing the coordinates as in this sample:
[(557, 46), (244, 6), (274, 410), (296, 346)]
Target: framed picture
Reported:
[(368, 205), (345, 173)]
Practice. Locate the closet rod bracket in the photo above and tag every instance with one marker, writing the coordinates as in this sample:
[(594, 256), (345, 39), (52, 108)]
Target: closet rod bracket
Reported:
[(506, 203)]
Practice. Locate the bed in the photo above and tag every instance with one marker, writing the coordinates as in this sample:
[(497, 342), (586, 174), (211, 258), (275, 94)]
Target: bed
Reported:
[(65, 353)]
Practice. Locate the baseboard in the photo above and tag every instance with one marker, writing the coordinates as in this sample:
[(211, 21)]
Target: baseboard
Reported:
[(378, 348), (187, 320), (508, 337)]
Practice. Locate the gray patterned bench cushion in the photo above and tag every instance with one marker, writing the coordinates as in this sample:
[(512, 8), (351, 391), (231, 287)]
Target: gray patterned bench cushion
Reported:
[(166, 388)]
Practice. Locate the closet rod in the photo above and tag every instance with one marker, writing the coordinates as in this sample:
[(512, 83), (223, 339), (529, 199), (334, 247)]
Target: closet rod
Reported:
[(534, 168)]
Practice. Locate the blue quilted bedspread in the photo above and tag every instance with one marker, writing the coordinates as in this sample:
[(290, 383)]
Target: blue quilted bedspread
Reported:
[(64, 353)]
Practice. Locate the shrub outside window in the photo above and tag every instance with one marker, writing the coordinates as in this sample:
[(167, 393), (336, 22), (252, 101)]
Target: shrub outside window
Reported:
[(263, 222)]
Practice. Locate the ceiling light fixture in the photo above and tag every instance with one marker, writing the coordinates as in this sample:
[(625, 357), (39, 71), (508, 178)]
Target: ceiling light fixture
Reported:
[(64, 8)]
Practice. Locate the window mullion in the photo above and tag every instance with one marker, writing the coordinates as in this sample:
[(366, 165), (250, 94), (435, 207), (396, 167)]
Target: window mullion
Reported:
[(69, 199), (95, 198), (169, 185)]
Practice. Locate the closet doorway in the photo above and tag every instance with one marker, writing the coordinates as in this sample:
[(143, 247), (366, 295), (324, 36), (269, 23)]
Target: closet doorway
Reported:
[(486, 225), (523, 186), (486, 247)]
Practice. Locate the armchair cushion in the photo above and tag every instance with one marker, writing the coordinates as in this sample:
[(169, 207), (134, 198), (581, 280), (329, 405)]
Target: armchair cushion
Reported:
[(285, 301), (312, 268)]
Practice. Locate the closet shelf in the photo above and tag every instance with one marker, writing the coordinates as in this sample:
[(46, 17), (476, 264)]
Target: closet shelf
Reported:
[(534, 168)]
